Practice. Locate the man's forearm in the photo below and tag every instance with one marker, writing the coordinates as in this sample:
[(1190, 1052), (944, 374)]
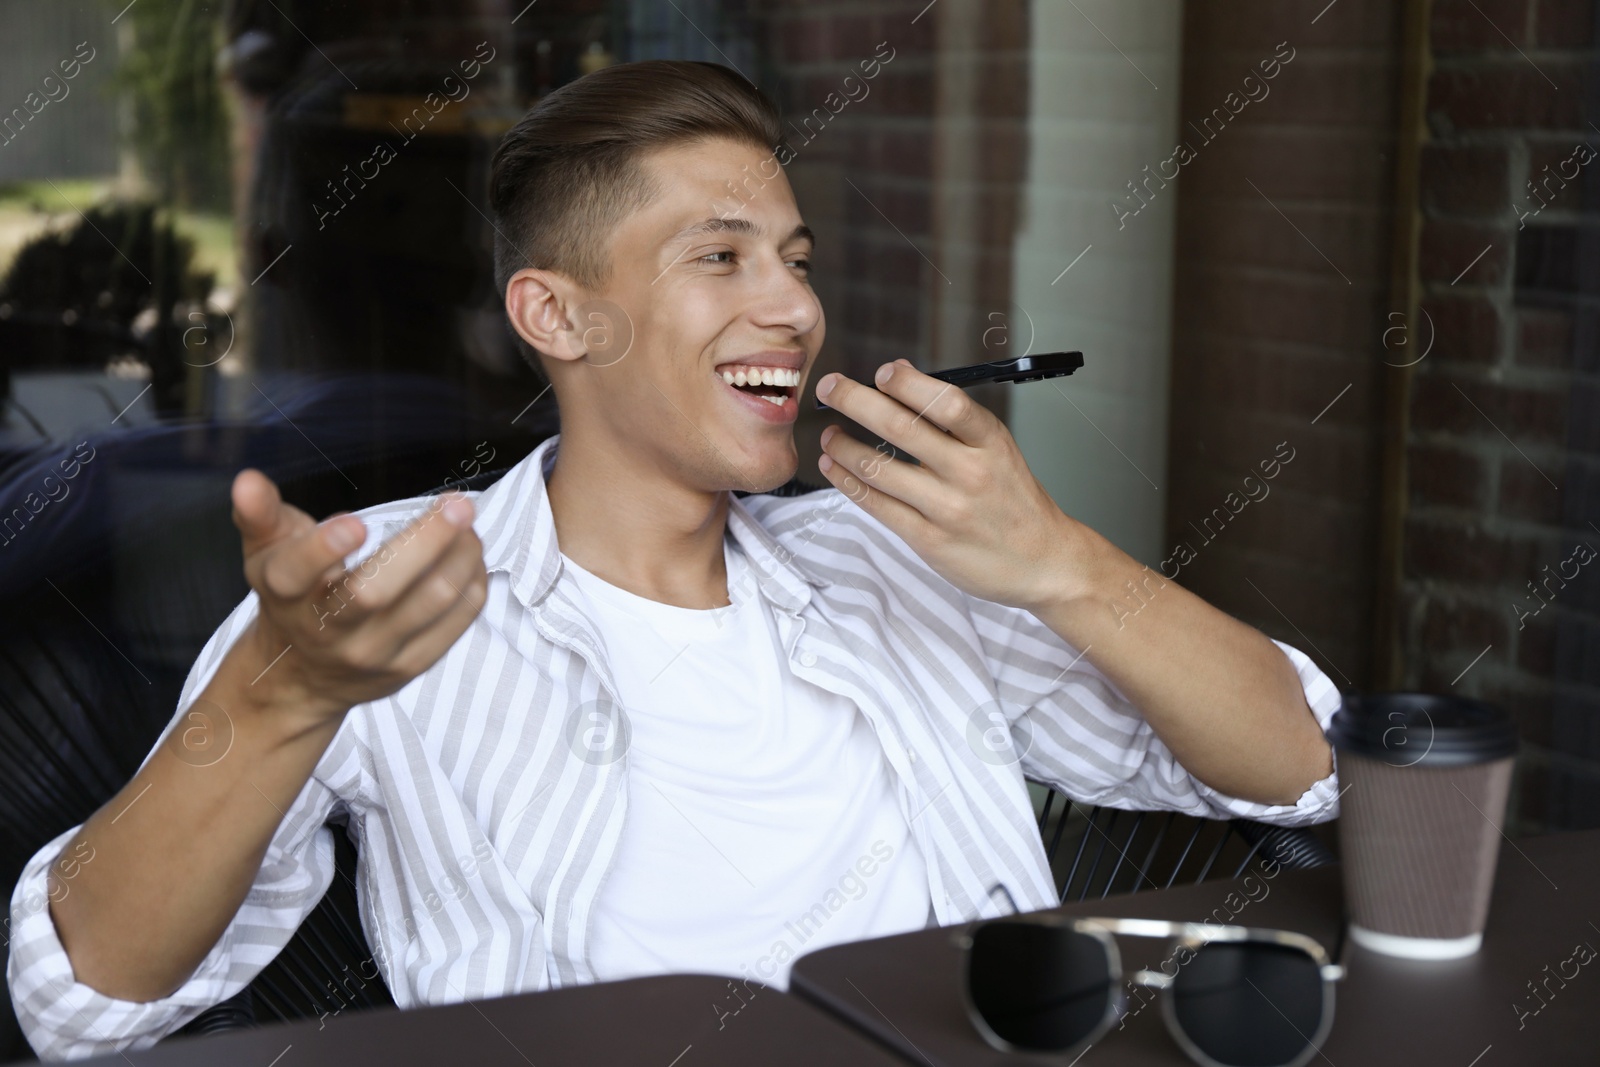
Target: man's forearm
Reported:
[(1223, 697), (172, 856)]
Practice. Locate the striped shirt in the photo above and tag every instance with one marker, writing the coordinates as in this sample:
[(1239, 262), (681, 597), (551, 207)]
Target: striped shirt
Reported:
[(488, 795)]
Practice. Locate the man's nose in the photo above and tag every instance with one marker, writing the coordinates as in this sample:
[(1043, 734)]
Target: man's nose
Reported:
[(787, 302)]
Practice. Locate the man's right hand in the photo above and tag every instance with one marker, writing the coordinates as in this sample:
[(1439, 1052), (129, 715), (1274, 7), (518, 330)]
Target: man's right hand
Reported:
[(328, 638), (149, 883)]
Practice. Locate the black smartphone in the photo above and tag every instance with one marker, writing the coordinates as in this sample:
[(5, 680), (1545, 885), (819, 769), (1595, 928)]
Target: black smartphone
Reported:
[(1013, 371)]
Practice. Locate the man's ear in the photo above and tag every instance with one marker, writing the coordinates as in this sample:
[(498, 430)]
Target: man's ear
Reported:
[(542, 307)]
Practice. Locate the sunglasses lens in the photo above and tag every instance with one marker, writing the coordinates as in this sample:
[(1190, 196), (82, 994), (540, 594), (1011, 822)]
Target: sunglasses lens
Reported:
[(1251, 1004), (1038, 987)]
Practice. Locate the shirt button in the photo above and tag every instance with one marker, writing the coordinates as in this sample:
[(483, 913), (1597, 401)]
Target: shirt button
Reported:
[(913, 755), (808, 659)]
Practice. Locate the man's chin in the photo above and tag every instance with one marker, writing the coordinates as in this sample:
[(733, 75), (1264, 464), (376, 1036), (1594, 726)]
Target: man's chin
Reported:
[(759, 469)]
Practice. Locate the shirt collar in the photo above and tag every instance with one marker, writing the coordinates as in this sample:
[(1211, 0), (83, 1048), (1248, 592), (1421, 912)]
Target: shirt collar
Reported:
[(519, 537)]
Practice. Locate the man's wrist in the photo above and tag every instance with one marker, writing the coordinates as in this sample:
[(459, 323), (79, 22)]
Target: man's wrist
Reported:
[(259, 690), (1087, 570)]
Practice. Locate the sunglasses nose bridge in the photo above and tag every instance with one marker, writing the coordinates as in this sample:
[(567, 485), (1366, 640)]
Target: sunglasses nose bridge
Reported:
[(1151, 979)]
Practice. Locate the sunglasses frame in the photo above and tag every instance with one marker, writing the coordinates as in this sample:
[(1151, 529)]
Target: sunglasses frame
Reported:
[(1192, 936)]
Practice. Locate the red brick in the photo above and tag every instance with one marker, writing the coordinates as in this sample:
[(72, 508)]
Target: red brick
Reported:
[(1586, 431), (1459, 626), (1556, 260), (881, 209), (1467, 554), (1525, 494), (1557, 177), (805, 39), (1452, 671), (1564, 23), (1578, 661), (901, 153), (1255, 380), (1576, 729), (909, 208), (1528, 702), (1306, 163), (1466, 329), (1337, 459), (888, 259), (1508, 94), (904, 90), (1472, 181), (1544, 338), (1252, 26), (1536, 638), (1444, 476), (1342, 89), (1006, 24), (1480, 409), (1479, 25), (1321, 311), (1581, 592), (1004, 139), (1326, 606), (1310, 240), (852, 38), (1449, 248), (919, 38), (1002, 87), (1531, 795)]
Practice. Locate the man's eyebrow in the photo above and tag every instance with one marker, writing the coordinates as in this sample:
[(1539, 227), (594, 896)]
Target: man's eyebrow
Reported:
[(734, 224)]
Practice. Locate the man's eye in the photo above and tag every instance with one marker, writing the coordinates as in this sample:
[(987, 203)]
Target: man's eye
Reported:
[(712, 258), (803, 264)]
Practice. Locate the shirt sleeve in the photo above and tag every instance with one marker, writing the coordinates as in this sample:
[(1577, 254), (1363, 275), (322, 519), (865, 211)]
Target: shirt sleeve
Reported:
[(1083, 736), (65, 1019)]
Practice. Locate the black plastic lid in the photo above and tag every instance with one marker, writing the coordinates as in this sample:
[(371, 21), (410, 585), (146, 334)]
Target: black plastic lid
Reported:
[(1426, 729)]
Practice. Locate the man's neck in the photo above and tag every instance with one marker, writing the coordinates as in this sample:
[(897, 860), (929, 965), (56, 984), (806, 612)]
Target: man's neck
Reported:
[(634, 525)]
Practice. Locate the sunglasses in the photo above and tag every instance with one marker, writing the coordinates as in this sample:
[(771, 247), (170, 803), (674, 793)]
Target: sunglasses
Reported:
[(1235, 996)]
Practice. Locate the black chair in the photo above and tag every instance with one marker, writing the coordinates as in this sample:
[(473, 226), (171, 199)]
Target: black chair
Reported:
[(1099, 851)]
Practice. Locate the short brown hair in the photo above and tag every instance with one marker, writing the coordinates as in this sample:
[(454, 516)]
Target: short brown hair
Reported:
[(568, 172)]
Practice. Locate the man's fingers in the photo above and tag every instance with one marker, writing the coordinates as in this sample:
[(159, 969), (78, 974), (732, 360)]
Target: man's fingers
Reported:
[(431, 641), (437, 592), (900, 517), (260, 513), (379, 580), (884, 470), (306, 562)]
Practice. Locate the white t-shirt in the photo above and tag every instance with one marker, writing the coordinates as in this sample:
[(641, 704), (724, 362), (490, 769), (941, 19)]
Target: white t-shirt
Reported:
[(762, 821)]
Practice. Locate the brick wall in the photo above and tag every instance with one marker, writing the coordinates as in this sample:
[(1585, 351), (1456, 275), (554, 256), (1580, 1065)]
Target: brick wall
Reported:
[(875, 179), (1504, 448), (1283, 245)]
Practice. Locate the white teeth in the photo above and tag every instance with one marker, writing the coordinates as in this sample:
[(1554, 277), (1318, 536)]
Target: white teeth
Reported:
[(777, 376), (762, 376), (776, 400)]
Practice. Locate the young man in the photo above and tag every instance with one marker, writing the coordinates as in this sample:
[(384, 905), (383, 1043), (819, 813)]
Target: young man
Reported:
[(605, 718)]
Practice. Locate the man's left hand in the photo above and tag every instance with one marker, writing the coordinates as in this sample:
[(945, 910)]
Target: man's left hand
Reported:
[(972, 510)]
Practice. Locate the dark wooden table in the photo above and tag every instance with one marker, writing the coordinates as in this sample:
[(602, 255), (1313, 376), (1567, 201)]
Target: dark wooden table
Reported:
[(1477, 1012), (672, 1021)]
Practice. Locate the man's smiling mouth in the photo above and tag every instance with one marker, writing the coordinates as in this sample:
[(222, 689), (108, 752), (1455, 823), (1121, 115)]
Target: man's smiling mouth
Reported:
[(773, 384)]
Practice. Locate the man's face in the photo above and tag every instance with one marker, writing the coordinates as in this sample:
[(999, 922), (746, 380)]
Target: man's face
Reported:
[(713, 279)]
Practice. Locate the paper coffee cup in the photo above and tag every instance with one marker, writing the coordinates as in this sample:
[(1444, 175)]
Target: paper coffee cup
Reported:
[(1425, 780)]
